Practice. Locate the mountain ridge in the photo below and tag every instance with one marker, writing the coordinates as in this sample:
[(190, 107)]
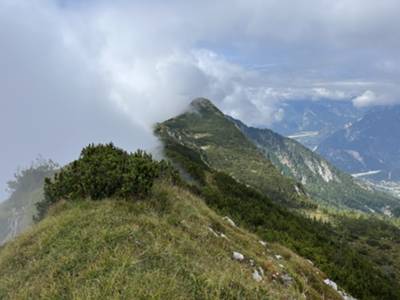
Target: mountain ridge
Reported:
[(321, 179), (311, 121), (225, 148), (370, 144)]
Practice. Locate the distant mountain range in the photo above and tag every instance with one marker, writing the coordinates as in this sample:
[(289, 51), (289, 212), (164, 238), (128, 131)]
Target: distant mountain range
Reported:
[(369, 147), (310, 122)]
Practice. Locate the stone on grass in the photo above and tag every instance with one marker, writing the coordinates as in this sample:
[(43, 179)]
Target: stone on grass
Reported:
[(256, 276), (331, 283), (346, 296), (275, 275), (261, 271), (229, 220), (237, 256), (213, 232), (263, 243), (223, 236)]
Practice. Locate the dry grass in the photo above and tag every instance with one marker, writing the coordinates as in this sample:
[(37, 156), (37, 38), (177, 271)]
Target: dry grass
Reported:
[(159, 248)]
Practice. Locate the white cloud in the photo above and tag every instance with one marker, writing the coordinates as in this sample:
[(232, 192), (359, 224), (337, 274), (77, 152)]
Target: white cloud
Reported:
[(383, 95), (365, 99), (99, 70)]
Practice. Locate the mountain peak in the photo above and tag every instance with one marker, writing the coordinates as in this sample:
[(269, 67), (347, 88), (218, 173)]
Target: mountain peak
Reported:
[(202, 101), (204, 105)]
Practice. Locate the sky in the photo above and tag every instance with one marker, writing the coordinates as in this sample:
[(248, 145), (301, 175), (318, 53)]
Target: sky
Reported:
[(79, 71)]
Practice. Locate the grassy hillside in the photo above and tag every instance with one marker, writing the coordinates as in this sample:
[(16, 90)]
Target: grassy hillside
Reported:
[(325, 183), (166, 246), (223, 147)]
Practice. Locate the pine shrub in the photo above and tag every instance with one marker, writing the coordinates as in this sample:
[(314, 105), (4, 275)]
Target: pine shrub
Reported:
[(104, 171)]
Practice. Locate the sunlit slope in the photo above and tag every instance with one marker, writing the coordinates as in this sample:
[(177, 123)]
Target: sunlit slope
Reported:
[(168, 246)]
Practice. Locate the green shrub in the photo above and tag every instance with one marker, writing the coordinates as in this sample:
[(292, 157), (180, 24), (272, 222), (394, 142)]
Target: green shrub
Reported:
[(104, 171)]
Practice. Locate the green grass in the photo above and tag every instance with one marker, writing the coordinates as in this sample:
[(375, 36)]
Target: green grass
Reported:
[(158, 248)]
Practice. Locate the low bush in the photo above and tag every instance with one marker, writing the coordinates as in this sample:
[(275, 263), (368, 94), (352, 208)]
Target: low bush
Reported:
[(104, 171)]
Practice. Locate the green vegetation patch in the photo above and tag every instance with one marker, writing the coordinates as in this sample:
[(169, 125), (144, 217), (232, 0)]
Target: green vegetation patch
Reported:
[(104, 171)]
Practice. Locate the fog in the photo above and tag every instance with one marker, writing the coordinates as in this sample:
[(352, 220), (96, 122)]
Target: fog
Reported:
[(75, 72)]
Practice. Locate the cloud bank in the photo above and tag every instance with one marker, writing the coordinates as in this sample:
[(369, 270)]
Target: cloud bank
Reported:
[(74, 72)]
